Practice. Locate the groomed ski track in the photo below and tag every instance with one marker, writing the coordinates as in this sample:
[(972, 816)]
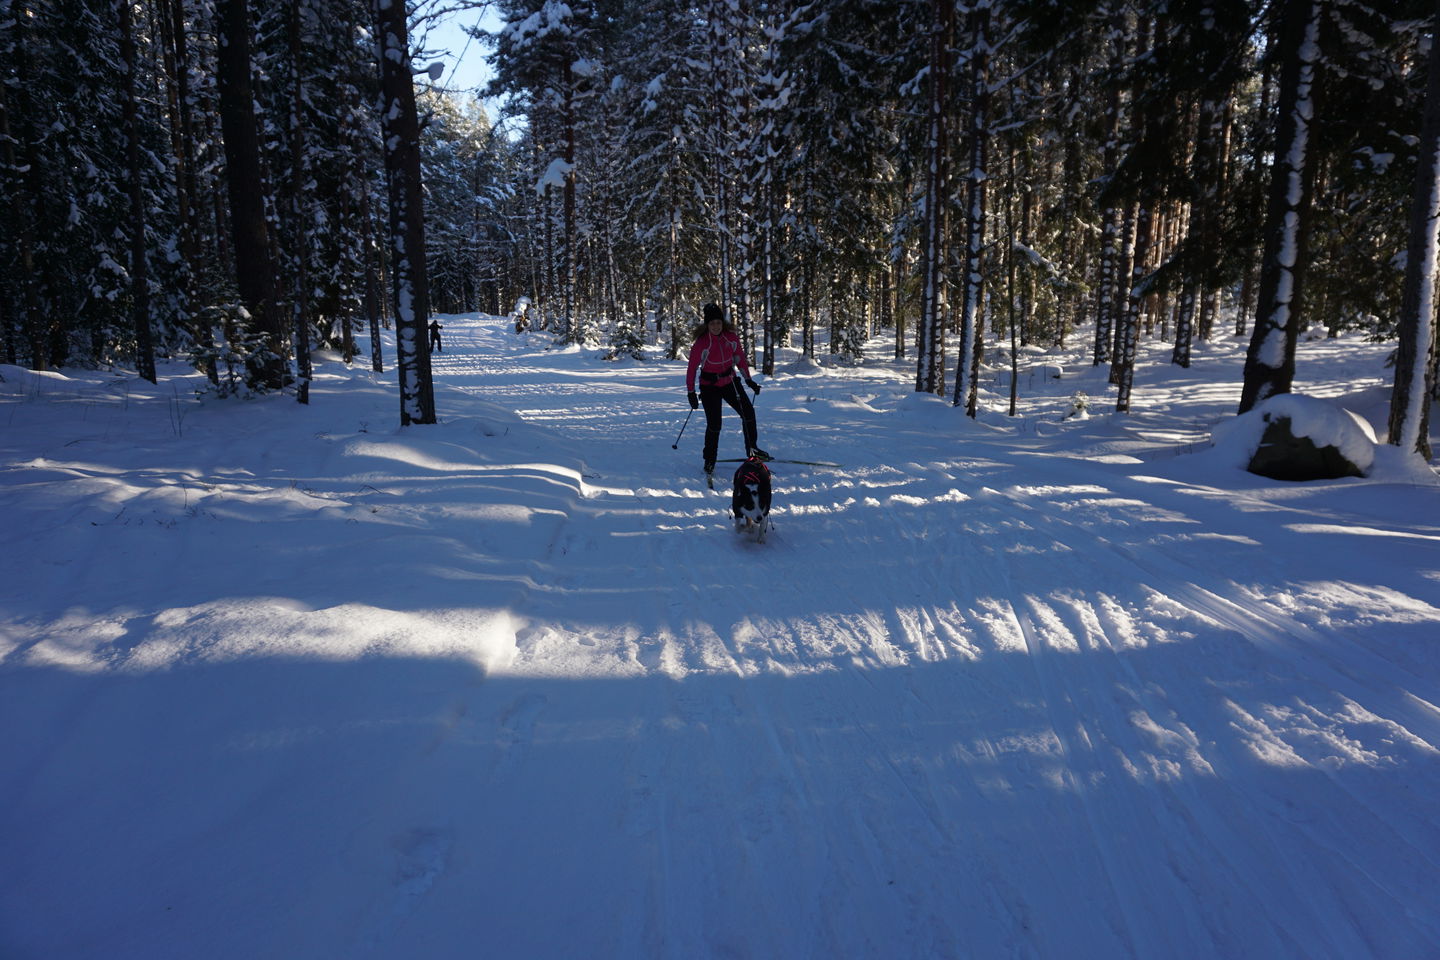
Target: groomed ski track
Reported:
[(970, 700), (296, 683)]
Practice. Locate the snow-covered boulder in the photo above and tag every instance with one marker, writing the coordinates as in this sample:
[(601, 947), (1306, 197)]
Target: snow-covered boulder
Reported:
[(803, 367), (1030, 374), (1294, 437)]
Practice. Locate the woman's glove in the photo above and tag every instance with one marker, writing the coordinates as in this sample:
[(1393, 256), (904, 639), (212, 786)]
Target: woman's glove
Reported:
[(754, 387), (694, 400)]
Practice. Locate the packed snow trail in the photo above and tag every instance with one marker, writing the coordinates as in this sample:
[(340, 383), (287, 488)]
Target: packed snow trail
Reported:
[(1077, 703), (984, 692)]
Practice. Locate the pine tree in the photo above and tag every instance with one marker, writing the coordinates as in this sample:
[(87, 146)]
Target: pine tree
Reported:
[(538, 53), (254, 266), (1270, 362), (139, 252), (1415, 379), (967, 368), (930, 348), (409, 279)]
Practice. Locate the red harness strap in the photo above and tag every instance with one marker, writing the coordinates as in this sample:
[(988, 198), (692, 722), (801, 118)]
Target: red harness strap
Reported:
[(753, 471)]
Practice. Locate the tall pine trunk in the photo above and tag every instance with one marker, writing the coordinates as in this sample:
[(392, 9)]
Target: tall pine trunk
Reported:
[(930, 327), (9, 187), (299, 175), (23, 172), (1415, 361), (176, 80), (672, 264), (1107, 283), (773, 98), (254, 265), (1270, 361), (574, 331), (1204, 231), (139, 276), (972, 329), (409, 281), (721, 157), (373, 298), (1122, 372)]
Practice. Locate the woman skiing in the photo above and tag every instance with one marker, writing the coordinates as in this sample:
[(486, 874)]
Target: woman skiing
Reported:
[(710, 378)]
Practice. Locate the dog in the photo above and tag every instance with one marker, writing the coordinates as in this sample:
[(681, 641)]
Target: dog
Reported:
[(750, 501)]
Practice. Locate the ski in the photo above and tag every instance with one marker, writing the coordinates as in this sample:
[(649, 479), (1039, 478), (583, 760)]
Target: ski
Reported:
[(803, 463)]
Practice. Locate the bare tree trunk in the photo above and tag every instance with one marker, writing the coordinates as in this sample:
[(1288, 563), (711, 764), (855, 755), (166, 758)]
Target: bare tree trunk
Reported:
[(672, 270), (1107, 286), (807, 270), (1415, 361), (547, 289), (1127, 343), (254, 266), (1027, 207), (24, 171), (217, 209), (887, 296), (573, 331), (720, 140), (182, 135), (747, 167), (1124, 266), (770, 106), (767, 276), (930, 360), (409, 281), (972, 329), (1196, 308), (299, 174), (1250, 280), (373, 297), (1184, 327), (1270, 361), (1010, 291), (897, 305), (139, 276), (9, 186)]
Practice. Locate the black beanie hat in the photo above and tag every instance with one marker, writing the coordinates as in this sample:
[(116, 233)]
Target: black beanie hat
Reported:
[(713, 312)]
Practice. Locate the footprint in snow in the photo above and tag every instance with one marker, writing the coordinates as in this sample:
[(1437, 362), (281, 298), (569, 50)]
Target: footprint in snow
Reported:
[(517, 729)]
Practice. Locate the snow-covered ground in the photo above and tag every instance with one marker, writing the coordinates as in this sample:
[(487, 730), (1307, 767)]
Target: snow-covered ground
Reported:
[(285, 682)]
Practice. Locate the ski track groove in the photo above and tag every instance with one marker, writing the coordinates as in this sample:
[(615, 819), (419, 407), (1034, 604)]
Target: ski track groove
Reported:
[(1207, 603), (1076, 770), (1296, 645), (1165, 748), (1282, 637)]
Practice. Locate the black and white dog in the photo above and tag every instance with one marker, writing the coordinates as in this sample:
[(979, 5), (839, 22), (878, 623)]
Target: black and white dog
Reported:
[(750, 502)]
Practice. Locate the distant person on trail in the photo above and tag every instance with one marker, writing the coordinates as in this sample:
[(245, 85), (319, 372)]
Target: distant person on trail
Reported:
[(710, 378), (435, 329)]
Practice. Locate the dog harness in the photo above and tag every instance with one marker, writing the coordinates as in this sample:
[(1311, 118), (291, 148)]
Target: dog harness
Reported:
[(752, 471)]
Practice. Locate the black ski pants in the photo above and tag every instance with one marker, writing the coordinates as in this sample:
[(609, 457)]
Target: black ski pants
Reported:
[(734, 394)]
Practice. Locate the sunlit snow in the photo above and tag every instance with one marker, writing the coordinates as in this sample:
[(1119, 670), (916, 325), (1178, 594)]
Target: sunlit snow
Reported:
[(291, 681)]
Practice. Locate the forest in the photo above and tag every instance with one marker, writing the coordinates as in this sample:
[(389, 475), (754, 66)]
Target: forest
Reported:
[(240, 184)]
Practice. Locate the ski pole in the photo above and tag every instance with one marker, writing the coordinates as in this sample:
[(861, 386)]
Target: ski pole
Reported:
[(676, 444)]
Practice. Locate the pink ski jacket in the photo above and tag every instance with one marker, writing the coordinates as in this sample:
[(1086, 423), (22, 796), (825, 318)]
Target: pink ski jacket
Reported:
[(712, 360)]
